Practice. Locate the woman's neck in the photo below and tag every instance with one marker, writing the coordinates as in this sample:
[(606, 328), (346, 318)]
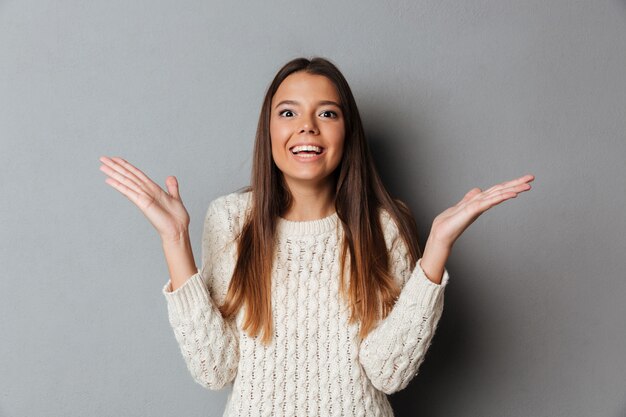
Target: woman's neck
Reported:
[(310, 203)]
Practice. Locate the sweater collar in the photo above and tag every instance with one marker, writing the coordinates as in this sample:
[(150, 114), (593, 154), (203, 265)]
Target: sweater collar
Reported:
[(307, 227)]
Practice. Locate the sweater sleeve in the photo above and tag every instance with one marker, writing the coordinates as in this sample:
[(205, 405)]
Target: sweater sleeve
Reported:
[(209, 344), (393, 351)]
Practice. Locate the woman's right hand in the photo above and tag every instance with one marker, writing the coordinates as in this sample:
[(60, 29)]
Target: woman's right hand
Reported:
[(165, 210)]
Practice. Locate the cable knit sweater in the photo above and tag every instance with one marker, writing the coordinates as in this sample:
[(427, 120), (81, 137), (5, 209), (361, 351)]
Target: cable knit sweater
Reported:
[(316, 365)]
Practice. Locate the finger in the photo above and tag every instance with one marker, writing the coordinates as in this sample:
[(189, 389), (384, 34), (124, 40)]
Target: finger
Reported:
[(495, 199), (121, 179), (519, 188), (523, 179), (117, 167), (130, 194), (514, 186), (486, 199), (172, 187), (134, 174), (136, 171)]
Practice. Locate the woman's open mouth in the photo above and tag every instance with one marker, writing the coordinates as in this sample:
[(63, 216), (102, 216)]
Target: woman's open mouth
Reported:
[(306, 151)]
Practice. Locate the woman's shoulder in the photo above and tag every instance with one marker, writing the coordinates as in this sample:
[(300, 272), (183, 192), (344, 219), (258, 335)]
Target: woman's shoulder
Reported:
[(387, 222), (230, 210), (236, 201), (390, 228)]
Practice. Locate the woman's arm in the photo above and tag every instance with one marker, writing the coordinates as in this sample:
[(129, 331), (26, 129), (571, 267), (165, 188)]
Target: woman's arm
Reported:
[(393, 351), (208, 343)]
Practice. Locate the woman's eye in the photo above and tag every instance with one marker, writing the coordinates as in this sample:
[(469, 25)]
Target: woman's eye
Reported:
[(286, 113), (329, 113)]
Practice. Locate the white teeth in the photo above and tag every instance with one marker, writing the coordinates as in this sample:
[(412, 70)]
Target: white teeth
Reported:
[(313, 148)]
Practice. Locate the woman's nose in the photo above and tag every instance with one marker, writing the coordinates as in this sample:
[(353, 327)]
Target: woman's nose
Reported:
[(309, 126)]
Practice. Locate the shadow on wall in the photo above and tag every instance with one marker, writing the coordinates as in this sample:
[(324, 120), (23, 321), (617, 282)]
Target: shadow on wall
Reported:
[(451, 353)]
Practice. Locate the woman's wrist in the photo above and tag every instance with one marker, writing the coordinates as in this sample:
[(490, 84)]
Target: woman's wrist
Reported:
[(434, 259), (176, 238), (180, 259)]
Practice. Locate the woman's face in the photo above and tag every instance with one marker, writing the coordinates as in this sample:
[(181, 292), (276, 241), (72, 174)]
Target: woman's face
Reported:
[(306, 129)]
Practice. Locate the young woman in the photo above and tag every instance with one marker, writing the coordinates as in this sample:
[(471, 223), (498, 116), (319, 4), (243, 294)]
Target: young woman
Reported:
[(314, 297)]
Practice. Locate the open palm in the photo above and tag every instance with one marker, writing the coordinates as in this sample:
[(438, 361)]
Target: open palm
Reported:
[(450, 224), (165, 210)]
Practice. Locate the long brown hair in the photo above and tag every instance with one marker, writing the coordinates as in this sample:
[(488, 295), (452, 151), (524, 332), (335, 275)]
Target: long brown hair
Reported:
[(359, 196)]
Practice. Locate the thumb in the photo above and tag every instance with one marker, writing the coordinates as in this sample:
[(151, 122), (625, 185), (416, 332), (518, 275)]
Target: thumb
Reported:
[(172, 187)]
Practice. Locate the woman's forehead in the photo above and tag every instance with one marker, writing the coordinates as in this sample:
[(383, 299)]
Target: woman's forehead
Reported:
[(302, 86)]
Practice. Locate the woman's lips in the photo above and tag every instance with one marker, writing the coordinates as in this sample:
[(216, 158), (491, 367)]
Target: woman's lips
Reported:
[(307, 157)]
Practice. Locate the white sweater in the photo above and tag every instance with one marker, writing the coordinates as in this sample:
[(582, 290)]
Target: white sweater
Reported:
[(316, 364)]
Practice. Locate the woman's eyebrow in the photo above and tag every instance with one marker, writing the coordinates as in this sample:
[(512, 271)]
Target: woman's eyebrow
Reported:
[(319, 103)]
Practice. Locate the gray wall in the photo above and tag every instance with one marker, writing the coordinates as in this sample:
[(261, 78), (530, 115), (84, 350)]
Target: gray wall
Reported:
[(453, 94)]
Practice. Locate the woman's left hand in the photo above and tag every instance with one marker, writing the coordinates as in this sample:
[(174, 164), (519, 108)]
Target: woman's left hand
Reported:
[(450, 224)]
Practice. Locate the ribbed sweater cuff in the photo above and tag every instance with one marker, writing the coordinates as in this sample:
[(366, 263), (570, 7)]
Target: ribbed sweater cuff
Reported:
[(192, 295), (425, 292)]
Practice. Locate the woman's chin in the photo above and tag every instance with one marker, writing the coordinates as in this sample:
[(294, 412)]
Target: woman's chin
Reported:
[(308, 181)]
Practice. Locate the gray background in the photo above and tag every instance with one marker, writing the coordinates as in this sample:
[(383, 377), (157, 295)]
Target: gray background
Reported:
[(453, 95)]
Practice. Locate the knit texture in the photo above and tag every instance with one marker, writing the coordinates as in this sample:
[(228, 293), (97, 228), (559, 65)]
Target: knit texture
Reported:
[(316, 365)]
